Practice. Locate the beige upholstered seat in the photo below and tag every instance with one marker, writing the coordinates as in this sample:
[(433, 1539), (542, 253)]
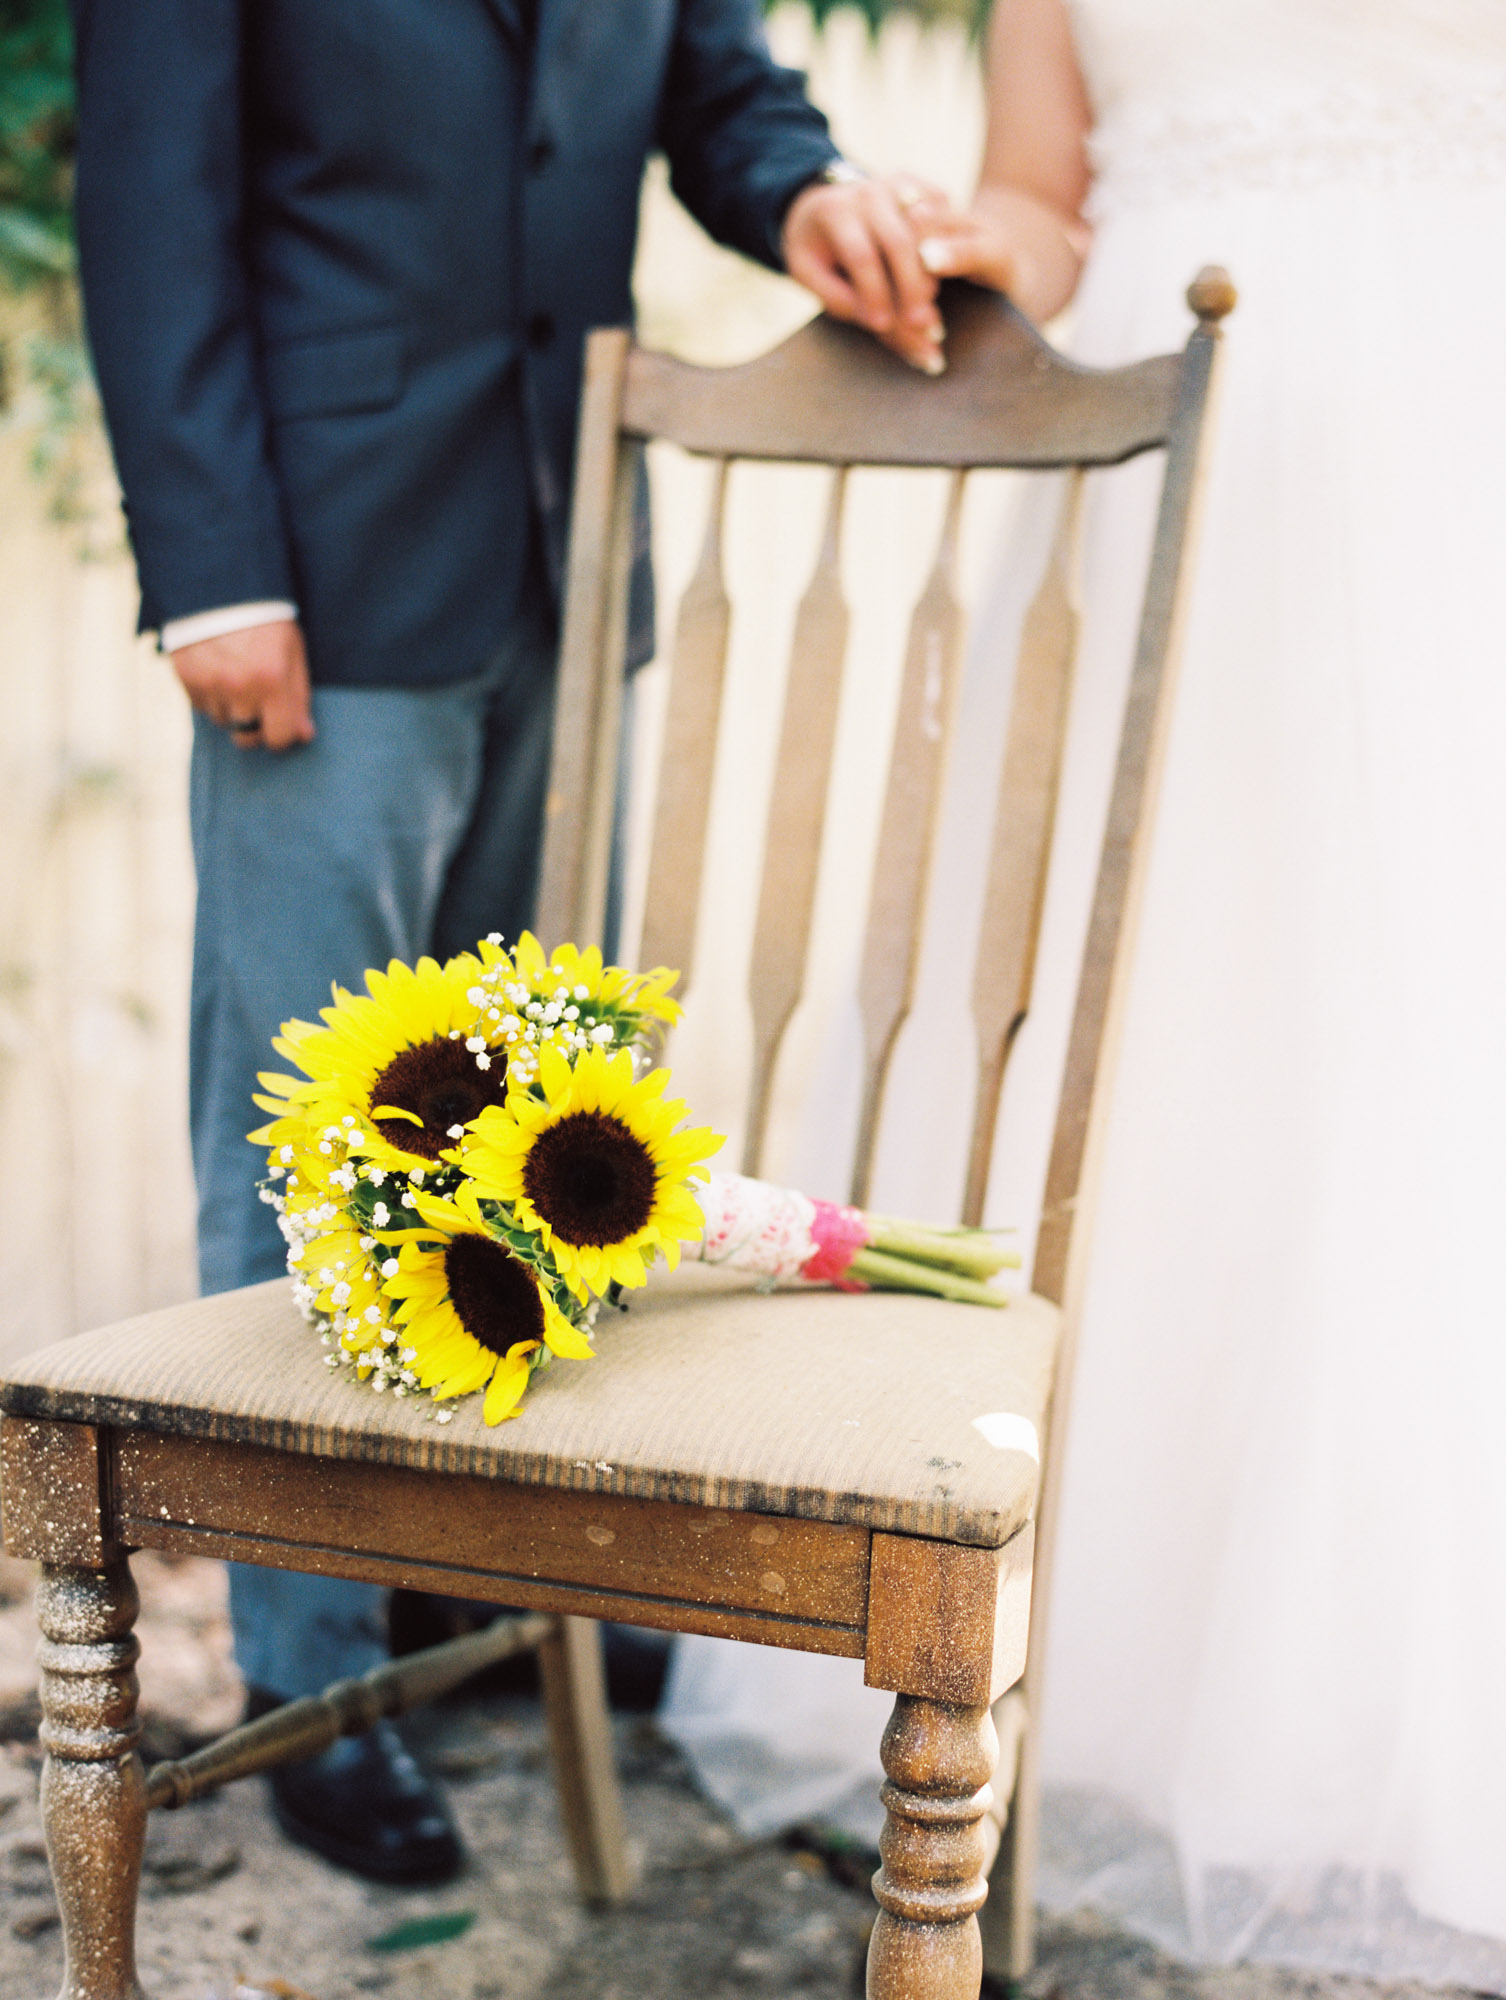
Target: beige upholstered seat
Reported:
[(819, 1405)]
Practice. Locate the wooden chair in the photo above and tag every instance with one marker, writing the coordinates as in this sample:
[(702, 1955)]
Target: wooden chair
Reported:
[(677, 1482)]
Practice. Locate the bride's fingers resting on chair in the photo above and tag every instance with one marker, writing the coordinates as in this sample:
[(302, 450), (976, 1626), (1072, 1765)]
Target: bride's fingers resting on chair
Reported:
[(1012, 241)]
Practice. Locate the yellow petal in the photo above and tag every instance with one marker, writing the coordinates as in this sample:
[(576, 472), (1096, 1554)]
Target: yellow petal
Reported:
[(554, 1072), (506, 1388), (564, 1339)]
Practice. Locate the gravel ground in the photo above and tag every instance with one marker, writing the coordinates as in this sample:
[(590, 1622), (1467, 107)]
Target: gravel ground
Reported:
[(230, 1912)]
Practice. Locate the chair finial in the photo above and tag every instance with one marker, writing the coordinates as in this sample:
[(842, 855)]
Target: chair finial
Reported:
[(1211, 294)]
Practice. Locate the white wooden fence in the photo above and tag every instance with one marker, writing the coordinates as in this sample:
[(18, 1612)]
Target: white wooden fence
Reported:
[(96, 893)]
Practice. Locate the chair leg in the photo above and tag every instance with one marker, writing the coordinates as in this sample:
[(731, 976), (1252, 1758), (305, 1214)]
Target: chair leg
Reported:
[(1008, 1920), (925, 1944), (585, 1775), (93, 1784)]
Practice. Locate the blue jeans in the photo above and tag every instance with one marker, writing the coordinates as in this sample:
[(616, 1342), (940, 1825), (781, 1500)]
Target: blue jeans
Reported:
[(411, 824)]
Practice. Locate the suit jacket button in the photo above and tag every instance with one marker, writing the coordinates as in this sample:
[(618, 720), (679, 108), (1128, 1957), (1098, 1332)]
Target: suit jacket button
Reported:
[(540, 152), (540, 329)]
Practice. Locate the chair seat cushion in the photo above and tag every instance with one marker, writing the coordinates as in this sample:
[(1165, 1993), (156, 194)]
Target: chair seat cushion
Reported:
[(881, 1409)]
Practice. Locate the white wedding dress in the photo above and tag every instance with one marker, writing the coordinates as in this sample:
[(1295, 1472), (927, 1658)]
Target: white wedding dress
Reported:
[(1275, 1721)]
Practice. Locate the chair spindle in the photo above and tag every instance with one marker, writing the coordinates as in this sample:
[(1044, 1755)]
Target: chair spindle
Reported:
[(1023, 823), (797, 814), (922, 730), (688, 763)]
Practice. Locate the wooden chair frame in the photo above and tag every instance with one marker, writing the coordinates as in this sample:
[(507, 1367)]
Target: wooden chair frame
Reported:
[(101, 1455), (830, 396)]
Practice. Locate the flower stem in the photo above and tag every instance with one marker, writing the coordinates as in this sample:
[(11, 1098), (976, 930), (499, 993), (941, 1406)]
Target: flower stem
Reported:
[(971, 1253), (888, 1273)]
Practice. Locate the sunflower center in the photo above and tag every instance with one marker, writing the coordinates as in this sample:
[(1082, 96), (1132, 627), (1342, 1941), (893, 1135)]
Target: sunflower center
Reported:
[(437, 1081), (590, 1179), (496, 1298)]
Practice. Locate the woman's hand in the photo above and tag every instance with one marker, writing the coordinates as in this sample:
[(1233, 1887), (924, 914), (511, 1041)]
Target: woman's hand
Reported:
[(1008, 239), (1024, 232)]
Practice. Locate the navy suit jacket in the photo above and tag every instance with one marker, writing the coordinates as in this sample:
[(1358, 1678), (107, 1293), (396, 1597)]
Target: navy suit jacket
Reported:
[(339, 258)]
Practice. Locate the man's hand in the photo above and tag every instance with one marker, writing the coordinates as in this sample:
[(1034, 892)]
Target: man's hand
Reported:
[(255, 683), (853, 246)]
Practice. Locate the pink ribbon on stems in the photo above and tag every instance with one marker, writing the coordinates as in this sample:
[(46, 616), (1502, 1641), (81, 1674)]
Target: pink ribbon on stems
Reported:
[(778, 1233), (838, 1234)]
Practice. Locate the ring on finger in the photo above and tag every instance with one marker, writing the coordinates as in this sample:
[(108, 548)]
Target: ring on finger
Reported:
[(246, 728)]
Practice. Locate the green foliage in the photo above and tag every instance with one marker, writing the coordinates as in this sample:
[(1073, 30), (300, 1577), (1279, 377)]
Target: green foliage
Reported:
[(59, 407), (36, 142), (45, 384), (970, 12)]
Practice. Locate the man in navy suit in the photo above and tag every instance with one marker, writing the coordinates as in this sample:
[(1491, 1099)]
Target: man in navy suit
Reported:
[(339, 258)]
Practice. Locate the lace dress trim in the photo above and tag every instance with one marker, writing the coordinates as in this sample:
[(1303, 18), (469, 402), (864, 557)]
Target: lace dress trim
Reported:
[(1143, 155)]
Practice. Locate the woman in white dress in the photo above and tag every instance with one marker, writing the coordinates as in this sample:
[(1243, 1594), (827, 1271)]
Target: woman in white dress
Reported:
[(1274, 1723)]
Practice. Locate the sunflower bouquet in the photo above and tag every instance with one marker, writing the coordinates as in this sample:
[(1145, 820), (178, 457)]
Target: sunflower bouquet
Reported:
[(477, 1154)]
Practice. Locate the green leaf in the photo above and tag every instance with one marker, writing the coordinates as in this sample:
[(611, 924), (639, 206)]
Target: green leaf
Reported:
[(32, 244), (424, 1930)]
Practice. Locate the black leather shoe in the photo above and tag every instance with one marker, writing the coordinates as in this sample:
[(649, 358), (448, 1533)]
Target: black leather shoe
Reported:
[(365, 1805)]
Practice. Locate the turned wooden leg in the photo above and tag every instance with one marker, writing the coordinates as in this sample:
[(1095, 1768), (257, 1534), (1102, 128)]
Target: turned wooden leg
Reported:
[(93, 1784), (925, 1943)]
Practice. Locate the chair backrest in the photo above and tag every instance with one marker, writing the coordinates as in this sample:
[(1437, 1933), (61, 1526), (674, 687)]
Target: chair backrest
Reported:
[(830, 395)]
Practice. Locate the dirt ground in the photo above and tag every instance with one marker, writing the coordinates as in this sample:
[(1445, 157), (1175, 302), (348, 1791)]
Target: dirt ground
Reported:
[(230, 1912)]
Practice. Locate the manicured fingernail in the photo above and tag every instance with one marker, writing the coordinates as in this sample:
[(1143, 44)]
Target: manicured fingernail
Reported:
[(932, 364), (935, 253)]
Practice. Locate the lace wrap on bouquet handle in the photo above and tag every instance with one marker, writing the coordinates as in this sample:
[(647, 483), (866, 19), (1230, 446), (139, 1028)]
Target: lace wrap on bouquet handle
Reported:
[(777, 1233), (1144, 154)]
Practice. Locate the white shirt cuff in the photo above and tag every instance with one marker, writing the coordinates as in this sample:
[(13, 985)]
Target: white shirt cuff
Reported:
[(178, 632)]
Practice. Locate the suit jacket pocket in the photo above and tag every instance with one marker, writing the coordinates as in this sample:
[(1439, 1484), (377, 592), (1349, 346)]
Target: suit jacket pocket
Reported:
[(336, 374)]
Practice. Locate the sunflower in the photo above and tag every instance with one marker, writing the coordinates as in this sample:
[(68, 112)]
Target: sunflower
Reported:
[(595, 1166), (471, 1315), (397, 1072), (526, 1000), (603, 995)]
